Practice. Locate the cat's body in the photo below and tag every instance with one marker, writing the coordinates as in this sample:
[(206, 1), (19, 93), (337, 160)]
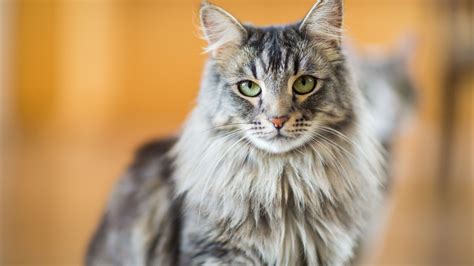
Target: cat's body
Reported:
[(281, 169), (147, 224)]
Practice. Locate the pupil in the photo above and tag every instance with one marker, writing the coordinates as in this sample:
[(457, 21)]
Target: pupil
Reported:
[(303, 81)]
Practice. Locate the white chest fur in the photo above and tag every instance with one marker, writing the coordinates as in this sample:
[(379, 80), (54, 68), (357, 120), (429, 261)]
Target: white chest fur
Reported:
[(308, 204)]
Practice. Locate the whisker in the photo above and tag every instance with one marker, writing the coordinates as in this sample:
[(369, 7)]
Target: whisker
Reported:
[(225, 126), (334, 160), (228, 134), (344, 137), (351, 155), (340, 134)]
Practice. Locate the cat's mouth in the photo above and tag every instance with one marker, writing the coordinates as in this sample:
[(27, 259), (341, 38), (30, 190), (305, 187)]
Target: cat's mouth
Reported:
[(280, 136), (279, 142)]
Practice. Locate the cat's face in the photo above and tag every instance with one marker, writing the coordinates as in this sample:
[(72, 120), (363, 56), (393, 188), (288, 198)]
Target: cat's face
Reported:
[(278, 87)]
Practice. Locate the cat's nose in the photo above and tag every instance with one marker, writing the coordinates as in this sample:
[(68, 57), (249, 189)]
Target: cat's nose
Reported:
[(278, 122)]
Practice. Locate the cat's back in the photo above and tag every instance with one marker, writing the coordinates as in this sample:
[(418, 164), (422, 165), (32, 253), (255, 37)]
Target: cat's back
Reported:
[(139, 214)]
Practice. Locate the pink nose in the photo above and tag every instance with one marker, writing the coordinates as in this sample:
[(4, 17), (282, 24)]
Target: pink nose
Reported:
[(278, 122)]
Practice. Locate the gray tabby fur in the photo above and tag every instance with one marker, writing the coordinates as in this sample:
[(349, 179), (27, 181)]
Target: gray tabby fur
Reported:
[(231, 190)]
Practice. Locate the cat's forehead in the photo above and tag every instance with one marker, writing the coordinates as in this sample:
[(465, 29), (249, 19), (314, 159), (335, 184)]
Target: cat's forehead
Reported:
[(273, 36), (274, 41), (272, 49), (274, 54)]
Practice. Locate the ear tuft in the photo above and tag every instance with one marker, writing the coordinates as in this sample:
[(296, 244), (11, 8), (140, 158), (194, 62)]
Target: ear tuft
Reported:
[(324, 21), (220, 29)]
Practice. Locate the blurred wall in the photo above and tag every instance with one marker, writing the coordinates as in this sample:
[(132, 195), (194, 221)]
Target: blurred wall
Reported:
[(90, 80)]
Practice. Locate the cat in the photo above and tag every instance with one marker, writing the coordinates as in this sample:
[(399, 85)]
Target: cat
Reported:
[(276, 165)]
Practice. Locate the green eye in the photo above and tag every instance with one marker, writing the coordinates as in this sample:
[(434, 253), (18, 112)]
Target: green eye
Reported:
[(249, 88), (304, 84)]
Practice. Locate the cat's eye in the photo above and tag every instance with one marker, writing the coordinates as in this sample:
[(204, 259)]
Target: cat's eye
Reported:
[(249, 88), (304, 84)]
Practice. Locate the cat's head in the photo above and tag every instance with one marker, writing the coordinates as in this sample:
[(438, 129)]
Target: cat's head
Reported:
[(278, 87)]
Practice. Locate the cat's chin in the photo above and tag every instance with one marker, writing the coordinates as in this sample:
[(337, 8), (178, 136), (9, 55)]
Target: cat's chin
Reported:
[(278, 145)]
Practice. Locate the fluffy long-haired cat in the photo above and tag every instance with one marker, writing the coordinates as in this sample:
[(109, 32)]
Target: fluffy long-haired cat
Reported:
[(276, 165)]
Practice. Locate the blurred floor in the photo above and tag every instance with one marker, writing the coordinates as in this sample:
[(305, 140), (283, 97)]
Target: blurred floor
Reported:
[(93, 79)]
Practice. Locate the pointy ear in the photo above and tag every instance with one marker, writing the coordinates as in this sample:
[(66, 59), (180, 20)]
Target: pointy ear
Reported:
[(221, 30), (324, 21)]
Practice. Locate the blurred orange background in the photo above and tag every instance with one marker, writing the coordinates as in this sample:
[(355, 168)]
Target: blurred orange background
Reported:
[(83, 82)]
